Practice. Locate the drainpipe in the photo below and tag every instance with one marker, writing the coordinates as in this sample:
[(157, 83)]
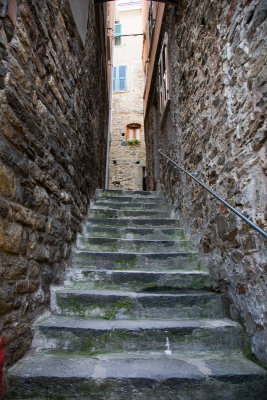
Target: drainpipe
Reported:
[(110, 104)]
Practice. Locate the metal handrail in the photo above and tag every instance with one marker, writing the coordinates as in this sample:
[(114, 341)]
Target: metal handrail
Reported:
[(234, 210)]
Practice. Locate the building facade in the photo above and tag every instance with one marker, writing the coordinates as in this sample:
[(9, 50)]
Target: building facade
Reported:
[(127, 151), (204, 107)]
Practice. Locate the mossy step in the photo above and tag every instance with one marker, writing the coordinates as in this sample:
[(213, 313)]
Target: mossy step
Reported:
[(89, 337), (132, 222), (115, 304), (132, 193), (95, 213), (137, 280), (100, 205), (131, 246), (131, 199), (135, 233), (135, 375), (187, 260)]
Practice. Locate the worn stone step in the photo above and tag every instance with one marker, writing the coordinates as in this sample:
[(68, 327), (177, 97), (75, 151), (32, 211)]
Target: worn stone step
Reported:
[(116, 304), (95, 213), (131, 199), (131, 246), (99, 205), (90, 337), (132, 222), (128, 193), (137, 376), (136, 261), (137, 280), (135, 233)]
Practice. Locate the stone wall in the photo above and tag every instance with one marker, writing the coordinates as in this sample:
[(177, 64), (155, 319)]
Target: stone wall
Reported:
[(53, 112), (215, 126)]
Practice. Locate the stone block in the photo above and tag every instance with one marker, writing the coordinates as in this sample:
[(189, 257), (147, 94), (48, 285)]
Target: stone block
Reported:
[(4, 208), (7, 182), (10, 236), (15, 266)]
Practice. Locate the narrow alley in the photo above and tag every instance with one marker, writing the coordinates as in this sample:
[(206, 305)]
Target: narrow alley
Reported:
[(133, 200)]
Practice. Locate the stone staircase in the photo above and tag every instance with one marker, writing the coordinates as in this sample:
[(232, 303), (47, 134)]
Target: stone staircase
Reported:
[(137, 318)]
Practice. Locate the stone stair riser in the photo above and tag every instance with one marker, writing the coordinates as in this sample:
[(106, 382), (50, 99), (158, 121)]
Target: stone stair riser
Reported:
[(131, 246), (93, 341), (126, 214), (136, 280), (135, 233), (127, 307), (117, 388), (99, 205), (124, 261), (131, 223), (128, 193), (132, 200)]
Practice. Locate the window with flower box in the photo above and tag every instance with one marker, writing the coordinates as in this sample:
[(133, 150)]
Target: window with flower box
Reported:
[(133, 134)]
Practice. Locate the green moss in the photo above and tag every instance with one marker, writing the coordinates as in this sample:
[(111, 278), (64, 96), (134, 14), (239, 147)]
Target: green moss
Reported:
[(125, 263), (120, 305)]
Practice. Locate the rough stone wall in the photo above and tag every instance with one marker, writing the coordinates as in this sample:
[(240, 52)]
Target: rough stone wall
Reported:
[(127, 161), (53, 113), (215, 127)]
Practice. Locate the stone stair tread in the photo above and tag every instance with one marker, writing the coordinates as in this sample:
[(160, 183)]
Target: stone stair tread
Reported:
[(152, 365), (61, 322), (125, 240), (131, 231), (130, 203), (131, 294), (142, 272), (141, 221), (130, 192), (131, 199), (118, 213), (172, 253)]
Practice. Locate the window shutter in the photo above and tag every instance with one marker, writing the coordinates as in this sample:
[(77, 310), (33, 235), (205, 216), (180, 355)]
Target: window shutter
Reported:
[(163, 76), (114, 78), (117, 34), (122, 77), (119, 78)]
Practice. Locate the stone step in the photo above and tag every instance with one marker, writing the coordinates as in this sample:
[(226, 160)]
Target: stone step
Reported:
[(135, 233), (100, 205), (116, 304), (131, 199), (136, 261), (132, 223), (90, 337), (131, 246), (95, 213), (137, 376), (137, 280), (128, 193)]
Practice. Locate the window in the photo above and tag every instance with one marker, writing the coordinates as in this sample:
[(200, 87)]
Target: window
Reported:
[(117, 34), (163, 76), (119, 78), (134, 133)]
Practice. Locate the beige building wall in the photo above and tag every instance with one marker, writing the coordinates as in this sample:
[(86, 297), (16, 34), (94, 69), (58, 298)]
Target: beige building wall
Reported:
[(127, 162)]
